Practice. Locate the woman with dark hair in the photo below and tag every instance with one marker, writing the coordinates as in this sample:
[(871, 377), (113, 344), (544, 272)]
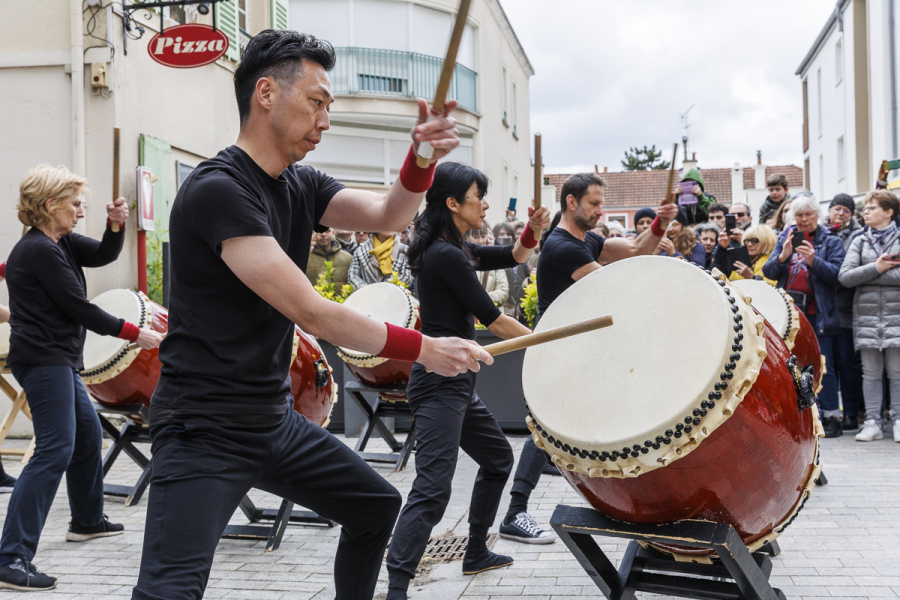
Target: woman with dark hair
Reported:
[(681, 242), (449, 414)]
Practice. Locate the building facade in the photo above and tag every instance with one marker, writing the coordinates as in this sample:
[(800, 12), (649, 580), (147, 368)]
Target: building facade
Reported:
[(849, 93)]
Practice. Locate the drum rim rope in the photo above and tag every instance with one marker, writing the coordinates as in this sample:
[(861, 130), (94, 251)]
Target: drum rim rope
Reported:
[(123, 359), (737, 378), (373, 360)]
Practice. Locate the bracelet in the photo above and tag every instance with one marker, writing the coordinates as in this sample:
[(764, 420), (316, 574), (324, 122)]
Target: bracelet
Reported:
[(656, 227), (3, 269), (414, 178), (121, 224), (129, 332), (402, 344), (527, 238)]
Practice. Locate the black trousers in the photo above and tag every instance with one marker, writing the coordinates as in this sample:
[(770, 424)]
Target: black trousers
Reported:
[(202, 470), (532, 463), (449, 416)]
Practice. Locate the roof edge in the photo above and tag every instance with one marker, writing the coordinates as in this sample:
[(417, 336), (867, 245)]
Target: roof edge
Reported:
[(820, 39), (511, 36)]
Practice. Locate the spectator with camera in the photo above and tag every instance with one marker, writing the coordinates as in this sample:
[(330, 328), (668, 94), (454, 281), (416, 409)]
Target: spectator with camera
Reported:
[(805, 262), (871, 268), (748, 259), (681, 242)]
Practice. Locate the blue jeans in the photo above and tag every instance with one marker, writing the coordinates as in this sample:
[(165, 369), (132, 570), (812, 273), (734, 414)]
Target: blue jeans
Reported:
[(68, 441), (828, 397), (849, 372)]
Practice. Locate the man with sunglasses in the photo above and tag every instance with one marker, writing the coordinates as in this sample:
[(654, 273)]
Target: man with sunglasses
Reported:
[(742, 212)]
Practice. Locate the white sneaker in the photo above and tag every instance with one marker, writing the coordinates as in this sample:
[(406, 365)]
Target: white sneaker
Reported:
[(871, 430), (897, 430)]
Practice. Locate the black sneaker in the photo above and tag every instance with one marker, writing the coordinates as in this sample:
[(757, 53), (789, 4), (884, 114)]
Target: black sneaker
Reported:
[(551, 470), (22, 575), (7, 482), (524, 529), (77, 533), (850, 423), (833, 427), (487, 561)]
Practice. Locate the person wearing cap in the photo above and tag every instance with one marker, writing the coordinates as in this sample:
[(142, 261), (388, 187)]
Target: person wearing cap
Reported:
[(841, 223), (643, 219), (681, 241)]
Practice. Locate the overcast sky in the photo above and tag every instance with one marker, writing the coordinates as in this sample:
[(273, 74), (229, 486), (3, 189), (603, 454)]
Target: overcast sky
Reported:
[(612, 74)]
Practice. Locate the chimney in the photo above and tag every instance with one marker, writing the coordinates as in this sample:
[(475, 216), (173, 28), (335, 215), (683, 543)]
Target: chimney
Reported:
[(759, 157), (688, 163), (596, 169), (737, 184), (605, 170), (759, 171)]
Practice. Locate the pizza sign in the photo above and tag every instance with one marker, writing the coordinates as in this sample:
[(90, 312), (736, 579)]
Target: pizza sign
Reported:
[(187, 46)]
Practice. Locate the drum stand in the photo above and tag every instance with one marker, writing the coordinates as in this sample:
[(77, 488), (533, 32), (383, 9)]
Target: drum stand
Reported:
[(280, 518), (124, 439), (737, 575), (400, 453), (19, 403)]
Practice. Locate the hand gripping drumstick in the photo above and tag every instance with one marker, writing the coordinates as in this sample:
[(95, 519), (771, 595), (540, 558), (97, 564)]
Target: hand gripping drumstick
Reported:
[(535, 339), (426, 150)]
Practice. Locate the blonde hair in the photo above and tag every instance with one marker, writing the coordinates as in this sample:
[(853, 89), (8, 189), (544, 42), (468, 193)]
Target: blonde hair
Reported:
[(44, 183), (766, 237)]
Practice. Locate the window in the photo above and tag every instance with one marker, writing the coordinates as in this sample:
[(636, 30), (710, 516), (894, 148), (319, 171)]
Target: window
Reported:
[(503, 96), (840, 159), (514, 192), (819, 98), (820, 193), (242, 14), (838, 62), (513, 109)]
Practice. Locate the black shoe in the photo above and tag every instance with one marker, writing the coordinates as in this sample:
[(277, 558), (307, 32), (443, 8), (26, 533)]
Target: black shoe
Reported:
[(484, 562), (850, 423), (21, 575), (833, 427), (77, 533), (551, 470), (7, 482)]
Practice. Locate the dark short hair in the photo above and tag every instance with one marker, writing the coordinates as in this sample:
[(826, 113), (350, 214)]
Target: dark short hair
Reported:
[(277, 54), (577, 186), (717, 207), (777, 179)]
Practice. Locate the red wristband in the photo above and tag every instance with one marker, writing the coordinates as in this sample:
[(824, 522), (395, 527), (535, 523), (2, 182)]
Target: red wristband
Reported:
[(656, 228), (3, 269), (414, 178), (121, 224), (402, 344), (527, 238), (129, 332)]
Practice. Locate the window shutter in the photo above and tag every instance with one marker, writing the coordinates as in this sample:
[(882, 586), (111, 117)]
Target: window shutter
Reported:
[(226, 20), (157, 154), (279, 16)]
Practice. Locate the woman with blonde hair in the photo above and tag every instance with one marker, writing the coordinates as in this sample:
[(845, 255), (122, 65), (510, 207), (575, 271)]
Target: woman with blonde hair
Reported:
[(49, 314), (760, 240)]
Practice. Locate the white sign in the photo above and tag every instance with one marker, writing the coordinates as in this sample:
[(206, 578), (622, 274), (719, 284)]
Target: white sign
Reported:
[(146, 221)]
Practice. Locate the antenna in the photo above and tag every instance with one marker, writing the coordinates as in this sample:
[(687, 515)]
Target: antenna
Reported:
[(684, 121)]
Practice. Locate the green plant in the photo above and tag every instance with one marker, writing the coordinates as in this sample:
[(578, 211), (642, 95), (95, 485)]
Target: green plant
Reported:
[(155, 241), (529, 302), (326, 288)]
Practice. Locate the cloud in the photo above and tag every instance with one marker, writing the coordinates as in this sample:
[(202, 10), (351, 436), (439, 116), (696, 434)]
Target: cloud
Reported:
[(610, 75)]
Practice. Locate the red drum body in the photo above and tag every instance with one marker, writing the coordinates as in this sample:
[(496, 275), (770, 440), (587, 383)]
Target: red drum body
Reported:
[(806, 349), (313, 388), (390, 304), (116, 374), (696, 414)]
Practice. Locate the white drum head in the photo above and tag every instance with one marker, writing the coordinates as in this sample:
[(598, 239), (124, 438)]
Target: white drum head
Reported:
[(4, 343), (772, 303), (624, 385), (104, 354), (384, 302)]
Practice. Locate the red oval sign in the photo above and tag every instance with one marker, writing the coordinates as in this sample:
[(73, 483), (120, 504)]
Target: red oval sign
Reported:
[(187, 46)]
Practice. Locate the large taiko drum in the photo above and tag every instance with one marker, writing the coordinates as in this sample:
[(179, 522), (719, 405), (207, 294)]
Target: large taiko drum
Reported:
[(684, 409), (387, 303), (118, 374), (792, 325), (4, 345)]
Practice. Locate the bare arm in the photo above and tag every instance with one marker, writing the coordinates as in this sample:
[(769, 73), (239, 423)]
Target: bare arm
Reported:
[(585, 270), (646, 243), (261, 264), (507, 328), (538, 221), (4, 314)]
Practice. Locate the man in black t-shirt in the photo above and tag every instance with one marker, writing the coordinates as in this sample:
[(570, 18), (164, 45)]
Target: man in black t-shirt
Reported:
[(571, 251), (221, 417)]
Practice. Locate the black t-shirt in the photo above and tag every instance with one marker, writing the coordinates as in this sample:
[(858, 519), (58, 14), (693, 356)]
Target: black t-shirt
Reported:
[(227, 355), (47, 297), (450, 294), (561, 255)]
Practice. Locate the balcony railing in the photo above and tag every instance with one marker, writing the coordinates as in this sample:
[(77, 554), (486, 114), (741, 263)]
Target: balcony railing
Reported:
[(396, 73)]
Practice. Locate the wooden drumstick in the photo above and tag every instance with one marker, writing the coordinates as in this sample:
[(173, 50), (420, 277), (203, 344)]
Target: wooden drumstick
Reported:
[(538, 180), (670, 195), (134, 346), (426, 150), (115, 224), (542, 337)]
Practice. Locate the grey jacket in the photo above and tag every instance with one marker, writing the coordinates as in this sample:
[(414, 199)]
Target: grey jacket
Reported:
[(876, 303), (845, 295)]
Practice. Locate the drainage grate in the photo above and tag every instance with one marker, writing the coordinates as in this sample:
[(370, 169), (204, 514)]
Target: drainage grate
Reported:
[(449, 549)]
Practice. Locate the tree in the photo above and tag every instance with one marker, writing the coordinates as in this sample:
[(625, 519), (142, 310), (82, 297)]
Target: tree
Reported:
[(644, 159)]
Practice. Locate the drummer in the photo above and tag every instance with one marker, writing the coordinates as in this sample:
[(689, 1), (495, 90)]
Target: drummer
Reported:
[(221, 418), (569, 252), (7, 481), (449, 414), (47, 296)]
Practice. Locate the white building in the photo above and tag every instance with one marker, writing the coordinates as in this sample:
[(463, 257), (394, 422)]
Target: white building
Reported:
[(849, 78)]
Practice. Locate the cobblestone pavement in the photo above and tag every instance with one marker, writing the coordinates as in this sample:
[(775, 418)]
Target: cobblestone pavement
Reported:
[(844, 544)]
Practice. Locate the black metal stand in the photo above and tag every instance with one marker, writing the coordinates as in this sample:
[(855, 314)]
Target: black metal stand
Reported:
[(280, 518), (735, 575), (124, 439), (399, 452)]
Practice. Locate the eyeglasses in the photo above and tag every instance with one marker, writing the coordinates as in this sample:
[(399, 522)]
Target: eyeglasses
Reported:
[(871, 207), (751, 241), (740, 214)]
